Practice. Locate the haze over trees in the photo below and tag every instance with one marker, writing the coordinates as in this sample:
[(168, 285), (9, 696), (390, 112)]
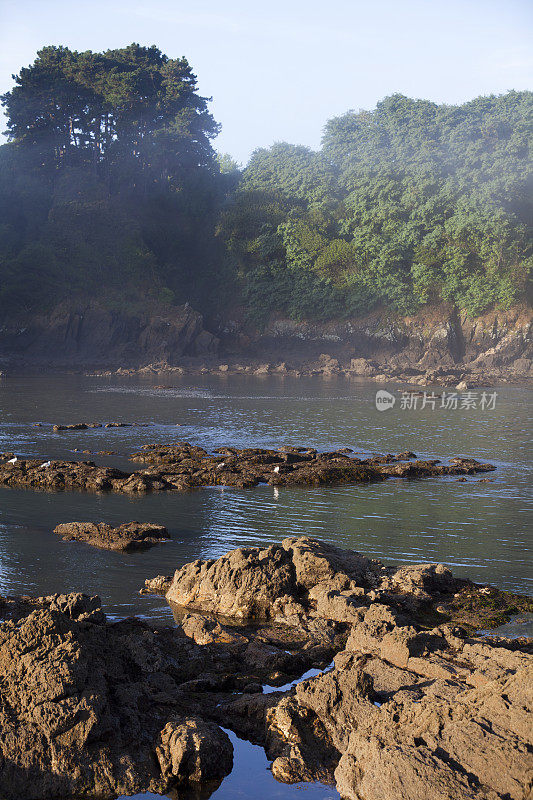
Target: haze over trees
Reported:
[(110, 188), (110, 184)]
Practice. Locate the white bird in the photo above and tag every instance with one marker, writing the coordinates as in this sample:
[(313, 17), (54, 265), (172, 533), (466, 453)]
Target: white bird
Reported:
[(276, 469), (46, 464), (12, 460), (222, 464)]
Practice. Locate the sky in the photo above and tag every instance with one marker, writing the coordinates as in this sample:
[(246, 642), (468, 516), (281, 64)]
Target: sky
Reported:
[(278, 70)]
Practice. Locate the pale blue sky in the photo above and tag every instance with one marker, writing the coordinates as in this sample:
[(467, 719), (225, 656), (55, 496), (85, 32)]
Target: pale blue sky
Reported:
[(278, 70)]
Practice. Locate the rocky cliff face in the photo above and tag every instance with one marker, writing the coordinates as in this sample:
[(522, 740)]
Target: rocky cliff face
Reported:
[(438, 337), (90, 334), (499, 343)]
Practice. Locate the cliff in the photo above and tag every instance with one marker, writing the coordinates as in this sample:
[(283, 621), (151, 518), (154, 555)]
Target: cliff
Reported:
[(499, 343), (88, 334)]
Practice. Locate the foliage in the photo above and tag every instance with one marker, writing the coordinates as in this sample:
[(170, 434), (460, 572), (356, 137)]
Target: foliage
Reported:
[(110, 188), (407, 204), (109, 182)]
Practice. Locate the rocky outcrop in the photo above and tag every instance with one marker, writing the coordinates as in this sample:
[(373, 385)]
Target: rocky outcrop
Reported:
[(91, 334), (437, 346), (303, 579), (126, 537), (498, 343), (414, 706), (92, 709), (412, 713), (184, 466)]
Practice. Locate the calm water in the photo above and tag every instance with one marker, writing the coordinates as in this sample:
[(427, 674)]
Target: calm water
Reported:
[(482, 531)]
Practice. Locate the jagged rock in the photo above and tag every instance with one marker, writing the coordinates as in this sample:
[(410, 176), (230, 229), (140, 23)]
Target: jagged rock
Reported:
[(270, 584), (158, 585), (128, 536), (413, 706), (302, 579), (407, 709), (92, 709)]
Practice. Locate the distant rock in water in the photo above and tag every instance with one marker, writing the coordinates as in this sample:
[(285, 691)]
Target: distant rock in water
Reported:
[(128, 536), (182, 466)]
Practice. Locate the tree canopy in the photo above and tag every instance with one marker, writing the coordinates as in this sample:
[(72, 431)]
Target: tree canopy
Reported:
[(406, 204), (110, 187), (90, 108), (110, 182)]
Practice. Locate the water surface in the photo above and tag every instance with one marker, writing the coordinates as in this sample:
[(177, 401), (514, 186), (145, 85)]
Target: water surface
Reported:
[(481, 530)]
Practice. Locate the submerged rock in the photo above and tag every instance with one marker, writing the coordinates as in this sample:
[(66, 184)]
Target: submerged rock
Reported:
[(128, 536)]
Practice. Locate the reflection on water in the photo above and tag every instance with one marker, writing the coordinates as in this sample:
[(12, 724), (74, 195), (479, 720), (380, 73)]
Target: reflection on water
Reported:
[(251, 778)]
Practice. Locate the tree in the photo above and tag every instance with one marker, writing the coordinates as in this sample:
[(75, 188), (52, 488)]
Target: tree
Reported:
[(129, 104), (109, 187), (407, 204)]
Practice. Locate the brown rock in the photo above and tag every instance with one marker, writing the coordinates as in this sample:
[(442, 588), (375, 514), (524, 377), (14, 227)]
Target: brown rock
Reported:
[(128, 536), (92, 709), (193, 750), (181, 466)]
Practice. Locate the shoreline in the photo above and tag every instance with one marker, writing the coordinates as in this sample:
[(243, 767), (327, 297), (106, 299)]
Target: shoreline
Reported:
[(438, 345), (325, 368)]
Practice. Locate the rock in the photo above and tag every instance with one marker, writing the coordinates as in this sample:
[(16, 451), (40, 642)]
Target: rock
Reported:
[(449, 740), (79, 426), (362, 366), (414, 705), (462, 386), (253, 688), (86, 333), (125, 537), (262, 369), (407, 710), (158, 585), (302, 577), (523, 366), (193, 750), (182, 466), (96, 709)]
